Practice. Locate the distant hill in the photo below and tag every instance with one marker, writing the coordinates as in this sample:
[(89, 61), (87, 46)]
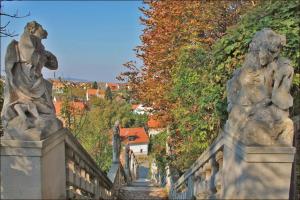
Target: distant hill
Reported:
[(75, 79)]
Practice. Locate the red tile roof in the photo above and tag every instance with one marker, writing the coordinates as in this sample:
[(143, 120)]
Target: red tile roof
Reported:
[(56, 84), (154, 123), (139, 133), (92, 91), (95, 92), (113, 86), (58, 105), (76, 107), (134, 106)]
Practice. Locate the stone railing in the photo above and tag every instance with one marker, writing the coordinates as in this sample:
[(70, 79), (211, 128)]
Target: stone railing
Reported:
[(84, 179), (229, 169), (117, 176), (203, 179), (55, 168), (133, 166)]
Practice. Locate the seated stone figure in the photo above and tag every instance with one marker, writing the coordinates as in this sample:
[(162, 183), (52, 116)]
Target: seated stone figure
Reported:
[(258, 94), (28, 112)]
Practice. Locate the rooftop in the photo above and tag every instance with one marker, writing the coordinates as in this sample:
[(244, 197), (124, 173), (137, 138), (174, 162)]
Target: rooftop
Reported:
[(134, 135)]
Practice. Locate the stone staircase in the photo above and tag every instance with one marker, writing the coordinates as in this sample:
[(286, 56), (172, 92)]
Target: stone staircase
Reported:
[(143, 189)]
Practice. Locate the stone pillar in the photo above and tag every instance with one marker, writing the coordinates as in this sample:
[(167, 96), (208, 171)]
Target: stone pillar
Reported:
[(256, 172), (116, 143), (33, 169)]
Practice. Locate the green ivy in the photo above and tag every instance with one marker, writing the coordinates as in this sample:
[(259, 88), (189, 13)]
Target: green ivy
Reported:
[(200, 77)]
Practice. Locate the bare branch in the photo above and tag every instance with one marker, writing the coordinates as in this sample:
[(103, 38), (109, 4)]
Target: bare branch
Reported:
[(3, 27), (5, 32), (15, 15)]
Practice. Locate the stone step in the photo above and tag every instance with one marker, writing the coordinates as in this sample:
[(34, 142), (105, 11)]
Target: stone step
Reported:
[(143, 190)]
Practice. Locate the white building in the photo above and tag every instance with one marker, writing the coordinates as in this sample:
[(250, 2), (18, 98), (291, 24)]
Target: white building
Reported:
[(140, 109), (136, 138), (154, 126)]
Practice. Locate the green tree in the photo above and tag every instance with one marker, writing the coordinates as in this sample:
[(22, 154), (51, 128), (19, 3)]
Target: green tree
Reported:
[(108, 94), (95, 134), (95, 85)]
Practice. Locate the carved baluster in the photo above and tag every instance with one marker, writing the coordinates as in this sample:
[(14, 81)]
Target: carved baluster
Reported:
[(202, 193), (218, 182), (197, 181), (207, 168)]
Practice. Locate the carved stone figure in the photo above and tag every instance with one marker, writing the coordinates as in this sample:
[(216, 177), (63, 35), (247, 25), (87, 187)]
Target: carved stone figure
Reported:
[(127, 162), (258, 94), (28, 112), (116, 143)]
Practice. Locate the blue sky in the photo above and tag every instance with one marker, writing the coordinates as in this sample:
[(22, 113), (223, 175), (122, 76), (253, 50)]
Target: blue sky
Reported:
[(90, 39)]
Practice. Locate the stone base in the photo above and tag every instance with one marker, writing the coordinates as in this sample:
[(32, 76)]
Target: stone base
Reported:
[(256, 172), (33, 169)]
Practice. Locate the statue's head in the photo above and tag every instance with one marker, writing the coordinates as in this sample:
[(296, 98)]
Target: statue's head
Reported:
[(34, 28), (267, 44)]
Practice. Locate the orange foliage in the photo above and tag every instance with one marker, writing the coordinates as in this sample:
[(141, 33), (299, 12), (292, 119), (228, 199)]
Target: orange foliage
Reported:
[(170, 25)]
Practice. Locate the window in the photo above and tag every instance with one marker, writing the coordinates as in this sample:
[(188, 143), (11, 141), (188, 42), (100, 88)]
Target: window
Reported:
[(131, 138)]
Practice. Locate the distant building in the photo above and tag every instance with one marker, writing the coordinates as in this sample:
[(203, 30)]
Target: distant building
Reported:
[(112, 86), (57, 86), (140, 109), (136, 138), (94, 92), (124, 86), (154, 126)]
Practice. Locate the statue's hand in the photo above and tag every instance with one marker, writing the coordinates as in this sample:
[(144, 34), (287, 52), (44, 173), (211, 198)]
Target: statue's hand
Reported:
[(51, 62)]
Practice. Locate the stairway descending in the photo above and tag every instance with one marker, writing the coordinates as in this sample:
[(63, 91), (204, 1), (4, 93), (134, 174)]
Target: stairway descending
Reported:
[(143, 189)]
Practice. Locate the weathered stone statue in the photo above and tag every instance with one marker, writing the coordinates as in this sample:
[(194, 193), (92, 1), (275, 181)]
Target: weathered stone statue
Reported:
[(28, 112), (116, 143), (127, 162), (258, 94)]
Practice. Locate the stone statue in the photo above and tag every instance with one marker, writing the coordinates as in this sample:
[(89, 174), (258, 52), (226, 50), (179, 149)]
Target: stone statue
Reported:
[(28, 112), (127, 162), (258, 94), (116, 142)]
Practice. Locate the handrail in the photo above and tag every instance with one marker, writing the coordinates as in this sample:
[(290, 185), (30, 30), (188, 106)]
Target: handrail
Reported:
[(72, 142), (84, 179), (204, 157)]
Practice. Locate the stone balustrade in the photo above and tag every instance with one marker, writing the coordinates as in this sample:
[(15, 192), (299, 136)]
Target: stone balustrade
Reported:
[(83, 178), (54, 168), (229, 169), (117, 176), (133, 166), (57, 167), (204, 179)]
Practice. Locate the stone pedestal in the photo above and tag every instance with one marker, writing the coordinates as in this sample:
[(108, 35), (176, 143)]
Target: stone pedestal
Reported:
[(33, 169), (256, 172)]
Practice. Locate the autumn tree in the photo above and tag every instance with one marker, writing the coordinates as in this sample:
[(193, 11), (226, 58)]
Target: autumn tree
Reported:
[(174, 77), (170, 25)]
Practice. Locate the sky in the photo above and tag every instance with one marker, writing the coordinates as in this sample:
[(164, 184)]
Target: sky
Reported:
[(91, 39)]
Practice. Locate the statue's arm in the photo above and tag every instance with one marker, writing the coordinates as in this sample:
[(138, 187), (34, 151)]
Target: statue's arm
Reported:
[(11, 57), (51, 62)]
